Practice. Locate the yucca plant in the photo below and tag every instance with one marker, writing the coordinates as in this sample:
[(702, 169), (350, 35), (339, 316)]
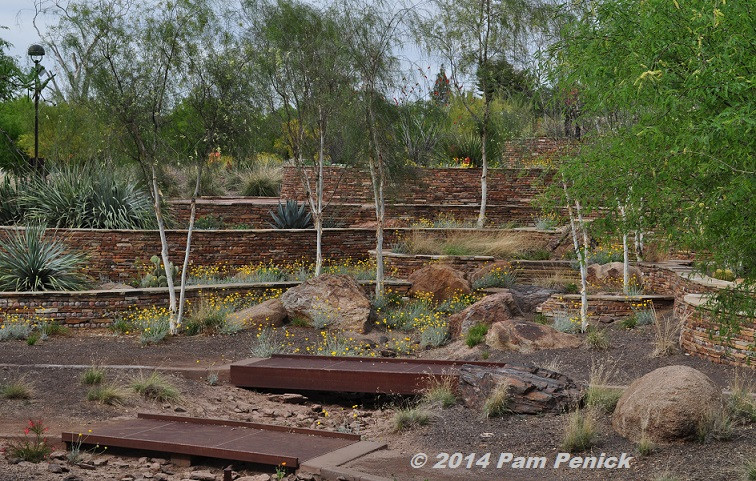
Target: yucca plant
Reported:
[(29, 261), (10, 211), (85, 197), (291, 216)]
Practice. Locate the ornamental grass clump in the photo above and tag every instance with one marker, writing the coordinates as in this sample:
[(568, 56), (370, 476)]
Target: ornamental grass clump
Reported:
[(579, 431), (440, 391), (600, 394), (410, 417), (499, 402), (18, 388), (32, 261), (155, 387)]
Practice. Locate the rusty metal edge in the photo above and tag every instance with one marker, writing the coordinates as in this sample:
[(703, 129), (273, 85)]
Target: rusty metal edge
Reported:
[(187, 449), (265, 427), (385, 360)]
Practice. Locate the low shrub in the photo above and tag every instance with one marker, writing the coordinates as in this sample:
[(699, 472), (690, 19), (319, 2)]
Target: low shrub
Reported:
[(407, 418), (266, 343), (579, 432), (564, 322), (434, 336), (34, 447), (498, 402), (155, 387), (497, 277), (629, 322), (476, 335), (209, 222), (15, 328)]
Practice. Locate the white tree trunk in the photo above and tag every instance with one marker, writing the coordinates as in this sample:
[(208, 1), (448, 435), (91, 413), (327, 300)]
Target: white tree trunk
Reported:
[(164, 254), (625, 252), (185, 267), (318, 215), (581, 256), (483, 182)]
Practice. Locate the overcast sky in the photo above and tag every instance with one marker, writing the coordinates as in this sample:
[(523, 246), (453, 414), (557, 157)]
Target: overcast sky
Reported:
[(17, 16)]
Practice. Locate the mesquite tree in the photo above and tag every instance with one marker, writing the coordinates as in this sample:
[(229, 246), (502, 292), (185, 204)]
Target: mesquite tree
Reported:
[(301, 54), (471, 35), (142, 58), (373, 33)]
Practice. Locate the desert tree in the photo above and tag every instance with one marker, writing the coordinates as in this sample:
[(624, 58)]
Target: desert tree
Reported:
[(471, 36), (373, 31), (301, 55), (678, 74), (142, 60)]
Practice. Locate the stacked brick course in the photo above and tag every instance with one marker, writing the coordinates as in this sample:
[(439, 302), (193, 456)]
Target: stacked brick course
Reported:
[(426, 186), (255, 213), (99, 308)]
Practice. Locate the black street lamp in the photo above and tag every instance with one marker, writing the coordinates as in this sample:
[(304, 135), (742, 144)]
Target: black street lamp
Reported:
[(36, 52)]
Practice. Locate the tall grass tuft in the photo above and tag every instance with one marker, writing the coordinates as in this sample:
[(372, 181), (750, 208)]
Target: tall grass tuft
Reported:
[(155, 387), (579, 431)]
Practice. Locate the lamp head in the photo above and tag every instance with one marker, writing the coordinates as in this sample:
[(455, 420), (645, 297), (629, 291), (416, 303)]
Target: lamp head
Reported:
[(36, 52)]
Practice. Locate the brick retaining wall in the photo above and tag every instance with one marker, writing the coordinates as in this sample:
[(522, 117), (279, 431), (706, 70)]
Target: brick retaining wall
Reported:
[(699, 335), (100, 308), (121, 255), (603, 308), (254, 213), (425, 186)]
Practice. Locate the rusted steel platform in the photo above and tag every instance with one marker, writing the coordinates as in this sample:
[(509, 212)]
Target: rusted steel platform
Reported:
[(216, 438), (344, 374)]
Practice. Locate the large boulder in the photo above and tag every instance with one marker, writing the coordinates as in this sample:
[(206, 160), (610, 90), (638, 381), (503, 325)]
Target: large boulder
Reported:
[(525, 336), (667, 404), (612, 274), (439, 280), (494, 308), (530, 297), (531, 390), (268, 313), (337, 298)]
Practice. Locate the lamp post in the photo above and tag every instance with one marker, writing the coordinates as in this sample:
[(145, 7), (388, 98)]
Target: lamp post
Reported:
[(36, 52)]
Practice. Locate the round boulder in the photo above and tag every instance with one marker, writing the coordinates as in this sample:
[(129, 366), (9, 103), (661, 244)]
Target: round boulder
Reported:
[(439, 280), (267, 313), (666, 404), (494, 308), (338, 299), (524, 336)]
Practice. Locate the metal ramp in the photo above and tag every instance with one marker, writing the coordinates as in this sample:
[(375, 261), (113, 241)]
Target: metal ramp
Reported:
[(222, 439), (344, 374)]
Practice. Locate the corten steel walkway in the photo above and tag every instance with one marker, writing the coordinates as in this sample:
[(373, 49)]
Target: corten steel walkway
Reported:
[(344, 374), (222, 439)]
